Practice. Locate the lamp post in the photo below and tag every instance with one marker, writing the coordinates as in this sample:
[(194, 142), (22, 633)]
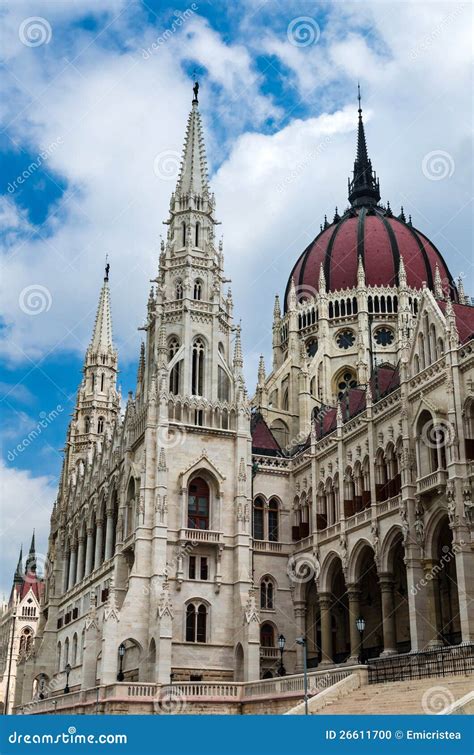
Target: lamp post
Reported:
[(360, 624), (302, 641), (67, 669), (121, 650), (281, 645)]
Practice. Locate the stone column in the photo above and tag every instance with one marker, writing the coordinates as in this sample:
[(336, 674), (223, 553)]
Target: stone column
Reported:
[(326, 635), (89, 551), (72, 567), (353, 593), (98, 543), (432, 601), (388, 614), (109, 536), (300, 621), (66, 560), (80, 559)]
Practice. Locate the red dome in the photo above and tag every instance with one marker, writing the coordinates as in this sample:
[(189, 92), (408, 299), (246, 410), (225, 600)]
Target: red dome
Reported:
[(380, 239)]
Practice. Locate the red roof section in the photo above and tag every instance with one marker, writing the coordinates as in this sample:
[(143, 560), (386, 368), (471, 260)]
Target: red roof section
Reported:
[(464, 315), (380, 239), (263, 440)]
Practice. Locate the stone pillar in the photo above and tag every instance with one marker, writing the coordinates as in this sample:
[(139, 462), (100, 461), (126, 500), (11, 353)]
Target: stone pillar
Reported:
[(388, 614), (80, 559), (66, 560), (326, 634), (429, 586), (72, 567), (300, 621), (89, 551), (353, 593), (98, 543), (109, 536)]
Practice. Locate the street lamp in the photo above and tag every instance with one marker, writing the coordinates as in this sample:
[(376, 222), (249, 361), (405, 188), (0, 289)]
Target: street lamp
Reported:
[(360, 624), (120, 675), (281, 645), (67, 669), (302, 641)]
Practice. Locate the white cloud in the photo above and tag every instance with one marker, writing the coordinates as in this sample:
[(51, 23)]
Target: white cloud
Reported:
[(26, 503)]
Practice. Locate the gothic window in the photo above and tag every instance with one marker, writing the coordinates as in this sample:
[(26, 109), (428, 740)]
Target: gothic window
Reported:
[(179, 289), (197, 377), (102, 378), (285, 400), (183, 233), (273, 520), (92, 381), (281, 432), (384, 336), (74, 651), (198, 504), (258, 530), (175, 373), (346, 380), (87, 424), (222, 385), (66, 652), (58, 657), (100, 425), (26, 640), (196, 235), (267, 636), (192, 567), (196, 622), (197, 290), (345, 339), (267, 594), (311, 347), (198, 568)]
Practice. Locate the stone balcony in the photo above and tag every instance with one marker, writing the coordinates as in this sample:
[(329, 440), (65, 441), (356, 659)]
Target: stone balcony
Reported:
[(211, 537), (433, 482)]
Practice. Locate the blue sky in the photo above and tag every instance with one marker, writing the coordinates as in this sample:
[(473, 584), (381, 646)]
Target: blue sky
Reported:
[(95, 93)]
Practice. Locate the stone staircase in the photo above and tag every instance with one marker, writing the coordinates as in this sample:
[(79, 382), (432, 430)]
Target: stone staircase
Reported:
[(431, 695)]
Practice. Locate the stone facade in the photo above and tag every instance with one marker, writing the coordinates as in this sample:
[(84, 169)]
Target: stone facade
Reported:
[(195, 529)]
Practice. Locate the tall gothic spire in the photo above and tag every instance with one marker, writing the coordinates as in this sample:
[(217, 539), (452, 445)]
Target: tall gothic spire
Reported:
[(30, 566), (193, 174), (102, 335), (18, 576), (364, 188)]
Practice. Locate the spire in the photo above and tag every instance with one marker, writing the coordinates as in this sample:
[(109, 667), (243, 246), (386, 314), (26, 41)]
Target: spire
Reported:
[(261, 371), (322, 280), (141, 363), (102, 335), (360, 273), (277, 309), (364, 188), (463, 299), (402, 275), (18, 576), (30, 566), (238, 358), (193, 174), (438, 285)]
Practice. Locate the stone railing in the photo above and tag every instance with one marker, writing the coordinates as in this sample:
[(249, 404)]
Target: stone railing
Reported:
[(267, 546), (144, 692), (434, 481), (200, 536), (391, 504), (356, 520)]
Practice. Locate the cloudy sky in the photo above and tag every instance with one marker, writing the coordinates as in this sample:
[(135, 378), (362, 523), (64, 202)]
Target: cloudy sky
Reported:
[(94, 106)]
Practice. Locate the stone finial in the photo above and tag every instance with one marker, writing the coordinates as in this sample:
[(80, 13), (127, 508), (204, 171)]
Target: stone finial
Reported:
[(438, 285), (461, 293), (402, 275), (322, 280), (261, 371), (360, 273), (277, 309), (238, 357), (292, 300)]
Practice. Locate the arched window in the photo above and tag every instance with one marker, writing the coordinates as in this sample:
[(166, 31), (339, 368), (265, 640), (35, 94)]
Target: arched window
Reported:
[(281, 432), (66, 652), (196, 622), (285, 404), (198, 504), (58, 657), (197, 290), (74, 651), (87, 424), (183, 233), (92, 381), (257, 520), (100, 425), (267, 594), (345, 380), (197, 377), (222, 384), (267, 636), (102, 379), (196, 235), (273, 520), (26, 639), (175, 372), (179, 290)]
